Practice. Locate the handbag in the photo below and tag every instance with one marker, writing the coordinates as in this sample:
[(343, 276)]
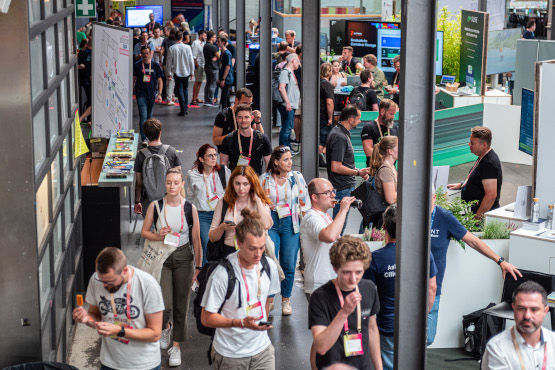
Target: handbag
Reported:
[(155, 254), (373, 205), (218, 250)]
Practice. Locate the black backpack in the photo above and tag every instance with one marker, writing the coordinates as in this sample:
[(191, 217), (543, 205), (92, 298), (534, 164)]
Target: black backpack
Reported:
[(188, 209), (478, 328), (358, 98), (215, 251)]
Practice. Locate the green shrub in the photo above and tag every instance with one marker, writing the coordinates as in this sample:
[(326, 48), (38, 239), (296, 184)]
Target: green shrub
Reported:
[(496, 230)]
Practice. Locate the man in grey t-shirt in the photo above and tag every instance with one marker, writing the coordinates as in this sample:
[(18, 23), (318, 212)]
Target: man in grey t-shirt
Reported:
[(291, 95), (125, 308)]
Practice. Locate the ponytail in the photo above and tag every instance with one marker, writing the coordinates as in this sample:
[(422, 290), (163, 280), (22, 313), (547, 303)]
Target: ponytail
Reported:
[(379, 153), (250, 224)]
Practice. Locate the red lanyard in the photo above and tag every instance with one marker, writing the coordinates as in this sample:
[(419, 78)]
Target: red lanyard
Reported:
[(127, 301), (206, 184), (277, 193), (241, 147), (342, 302), (473, 168), (247, 285), (149, 68), (517, 348), (182, 215)]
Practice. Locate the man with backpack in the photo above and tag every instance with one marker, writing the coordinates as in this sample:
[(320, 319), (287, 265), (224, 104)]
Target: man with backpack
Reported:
[(364, 96), (151, 165), (289, 97), (373, 132), (240, 314)]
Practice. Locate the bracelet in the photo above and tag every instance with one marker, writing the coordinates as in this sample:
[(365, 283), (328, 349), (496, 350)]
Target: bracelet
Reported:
[(241, 321), (358, 172)]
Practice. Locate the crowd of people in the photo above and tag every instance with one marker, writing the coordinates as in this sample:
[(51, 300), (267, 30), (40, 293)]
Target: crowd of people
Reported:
[(241, 222)]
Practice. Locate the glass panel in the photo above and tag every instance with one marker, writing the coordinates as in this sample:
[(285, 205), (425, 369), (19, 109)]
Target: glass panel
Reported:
[(72, 87), (45, 280), (50, 53), (61, 42), (48, 7), (57, 242), (34, 11), (67, 212), (65, 155), (59, 5), (42, 209), (55, 175), (60, 312), (46, 340), (39, 142), (64, 114), (70, 37), (53, 117), (37, 83), (75, 189), (69, 322)]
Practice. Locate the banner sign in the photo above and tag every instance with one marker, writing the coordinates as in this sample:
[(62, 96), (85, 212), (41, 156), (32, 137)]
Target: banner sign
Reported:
[(192, 10), (474, 40), (526, 138)]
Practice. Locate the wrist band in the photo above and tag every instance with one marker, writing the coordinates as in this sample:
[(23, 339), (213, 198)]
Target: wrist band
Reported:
[(241, 321)]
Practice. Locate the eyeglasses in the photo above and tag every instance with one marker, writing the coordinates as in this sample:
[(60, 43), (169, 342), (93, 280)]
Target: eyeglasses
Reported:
[(103, 282), (211, 155), (283, 149), (327, 192)]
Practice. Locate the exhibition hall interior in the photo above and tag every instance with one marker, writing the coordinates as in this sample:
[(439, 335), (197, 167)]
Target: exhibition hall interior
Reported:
[(285, 184)]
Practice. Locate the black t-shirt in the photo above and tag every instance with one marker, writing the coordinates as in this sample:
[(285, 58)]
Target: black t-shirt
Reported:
[(339, 148), (171, 154), (352, 65), (209, 50), (229, 46), (322, 309), (166, 44), (370, 94), (261, 147), (85, 57), (488, 168), (143, 88), (326, 92), (225, 121), (370, 131)]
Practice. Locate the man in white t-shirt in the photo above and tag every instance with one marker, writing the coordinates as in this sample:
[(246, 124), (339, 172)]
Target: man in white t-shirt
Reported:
[(318, 232), (156, 41), (241, 340), (130, 335)]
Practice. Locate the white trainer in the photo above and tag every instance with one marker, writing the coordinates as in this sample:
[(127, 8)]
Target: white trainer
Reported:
[(166, 336), (175, 356), (286, 309)]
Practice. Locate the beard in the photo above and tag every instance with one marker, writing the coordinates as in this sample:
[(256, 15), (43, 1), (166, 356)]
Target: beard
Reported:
[(527, 329), (114, 288), (388, 123)]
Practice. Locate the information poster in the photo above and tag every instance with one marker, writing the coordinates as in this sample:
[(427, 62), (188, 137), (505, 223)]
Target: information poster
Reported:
[(112, 79), (192, 10), (474, 40), (502, 51), (526, 138)]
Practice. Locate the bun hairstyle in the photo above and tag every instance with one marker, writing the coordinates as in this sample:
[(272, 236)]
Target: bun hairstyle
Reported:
[(250, 224), (379, 153)]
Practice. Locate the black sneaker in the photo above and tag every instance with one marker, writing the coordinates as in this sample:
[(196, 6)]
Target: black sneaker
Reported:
[(181, 114)]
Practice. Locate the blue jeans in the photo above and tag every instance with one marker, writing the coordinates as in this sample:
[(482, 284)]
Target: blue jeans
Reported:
[(432, 321), (387, 346), (287, 248), (102, 367), (338, 196), (182, 86), (204, 221), (287, 121), (145, 105)]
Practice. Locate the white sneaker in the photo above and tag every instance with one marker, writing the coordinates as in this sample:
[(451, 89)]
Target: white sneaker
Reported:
[(166, 336), (171, 102), (175, 356), (286, 308)]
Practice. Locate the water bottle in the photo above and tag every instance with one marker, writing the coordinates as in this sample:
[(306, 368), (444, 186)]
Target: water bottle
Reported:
[(536, 210), (550, 217)]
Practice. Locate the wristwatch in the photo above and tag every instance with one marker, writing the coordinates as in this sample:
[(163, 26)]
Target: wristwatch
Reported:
[(500, 261), (198, 267), (121, 333)]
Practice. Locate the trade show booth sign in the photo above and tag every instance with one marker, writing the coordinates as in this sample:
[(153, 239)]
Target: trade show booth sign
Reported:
[(474, 40)]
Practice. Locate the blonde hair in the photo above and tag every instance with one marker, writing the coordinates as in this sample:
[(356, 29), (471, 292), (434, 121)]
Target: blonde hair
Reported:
[(325, 71), (175, 171), (379, 152)]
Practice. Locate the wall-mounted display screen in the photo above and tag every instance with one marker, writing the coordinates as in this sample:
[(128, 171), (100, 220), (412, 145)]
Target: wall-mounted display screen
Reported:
[(138, 16)]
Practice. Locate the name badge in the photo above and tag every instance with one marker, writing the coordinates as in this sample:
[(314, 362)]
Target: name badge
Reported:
[(243, 161), (255, 311), (172, 239), (283, 210), (212, 202), (146, 78), (126, 325), (353, 344)]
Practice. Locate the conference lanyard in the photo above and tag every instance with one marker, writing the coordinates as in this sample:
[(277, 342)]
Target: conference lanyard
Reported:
[(241, 147), (206, 183), (342, 302), (517, 349), (433, 217), (258, 294), (182, 215), (127, 301), (380, 129), (473, 168), (149, 68), (277, 192)]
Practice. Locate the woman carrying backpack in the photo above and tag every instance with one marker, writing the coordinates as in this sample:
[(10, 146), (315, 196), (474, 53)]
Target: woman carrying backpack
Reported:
[(205, 186), (289, 195), (171, 218)]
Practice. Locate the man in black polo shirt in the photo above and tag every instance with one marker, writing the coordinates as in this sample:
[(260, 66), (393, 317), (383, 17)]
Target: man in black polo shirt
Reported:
[(340, 156), (485, 178), (211, 67), (373, 132), (253, 147), (225, 119)]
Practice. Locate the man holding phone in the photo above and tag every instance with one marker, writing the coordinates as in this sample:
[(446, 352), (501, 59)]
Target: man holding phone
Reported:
[(241, 340)]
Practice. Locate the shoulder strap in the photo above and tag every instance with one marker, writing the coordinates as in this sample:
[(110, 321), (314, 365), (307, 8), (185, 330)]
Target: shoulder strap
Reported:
[(231, 280), (157, 207), (224, 210), (188, 208), (221, 173), (266, 266), (164, 149), (146, 152)]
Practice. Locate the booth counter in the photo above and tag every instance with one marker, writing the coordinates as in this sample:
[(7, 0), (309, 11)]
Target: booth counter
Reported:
[(453, 100)]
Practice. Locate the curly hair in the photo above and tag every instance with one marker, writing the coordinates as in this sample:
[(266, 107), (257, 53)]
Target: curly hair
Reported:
[(230, 195), (349, 248)]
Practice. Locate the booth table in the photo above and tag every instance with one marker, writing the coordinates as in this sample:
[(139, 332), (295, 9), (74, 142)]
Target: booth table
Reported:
[(452, 100)]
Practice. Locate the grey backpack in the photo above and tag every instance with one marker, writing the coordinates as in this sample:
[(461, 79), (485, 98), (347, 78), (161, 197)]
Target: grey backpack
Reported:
[(155, 168)]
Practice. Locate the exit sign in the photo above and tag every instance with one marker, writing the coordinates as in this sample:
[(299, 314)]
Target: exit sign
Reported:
[(85, 8)]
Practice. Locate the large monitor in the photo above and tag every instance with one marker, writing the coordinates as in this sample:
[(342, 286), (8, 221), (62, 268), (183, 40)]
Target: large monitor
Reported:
[(137, 16)]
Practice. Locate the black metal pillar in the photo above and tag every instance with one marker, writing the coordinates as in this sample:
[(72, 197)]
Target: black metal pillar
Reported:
[(310, 96), (266, 66), (240, 47), (224, 15), (215, 15), (418, 34)]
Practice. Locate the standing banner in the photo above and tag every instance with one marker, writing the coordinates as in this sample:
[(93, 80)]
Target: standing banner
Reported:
[(112, 80), (192, 10), (474, 41)]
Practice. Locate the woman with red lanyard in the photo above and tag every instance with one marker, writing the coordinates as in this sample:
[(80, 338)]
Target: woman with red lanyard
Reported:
[(205, 186), (182, 267), (289, 195)]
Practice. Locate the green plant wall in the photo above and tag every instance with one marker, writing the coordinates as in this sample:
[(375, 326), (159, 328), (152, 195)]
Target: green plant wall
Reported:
[(451, 27)]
